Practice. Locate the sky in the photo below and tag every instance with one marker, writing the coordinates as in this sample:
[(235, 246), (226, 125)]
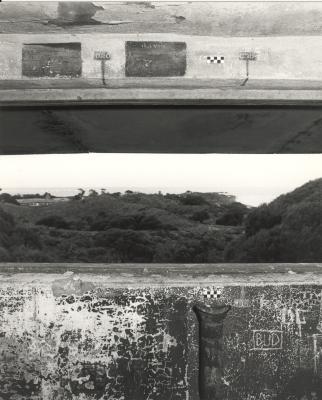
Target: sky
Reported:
[(254, 179)]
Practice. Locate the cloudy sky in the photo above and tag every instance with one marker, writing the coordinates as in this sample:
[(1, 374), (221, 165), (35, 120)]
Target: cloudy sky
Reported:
[(254, 179)]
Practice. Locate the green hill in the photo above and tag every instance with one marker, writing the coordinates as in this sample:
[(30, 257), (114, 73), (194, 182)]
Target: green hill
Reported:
[(130, 227), (289, 229)]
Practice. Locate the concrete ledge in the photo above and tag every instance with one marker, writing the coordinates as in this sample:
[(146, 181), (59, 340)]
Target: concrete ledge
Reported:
[(159, 96), (159, 91), (160, 275)]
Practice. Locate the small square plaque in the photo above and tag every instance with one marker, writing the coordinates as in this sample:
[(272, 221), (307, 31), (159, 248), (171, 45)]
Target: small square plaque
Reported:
[(102, 55)]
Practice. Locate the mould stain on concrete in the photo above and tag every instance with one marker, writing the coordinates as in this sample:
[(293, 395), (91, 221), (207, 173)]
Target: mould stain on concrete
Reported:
[(71, 284), (76, 13), (100, 344), (67, 339)]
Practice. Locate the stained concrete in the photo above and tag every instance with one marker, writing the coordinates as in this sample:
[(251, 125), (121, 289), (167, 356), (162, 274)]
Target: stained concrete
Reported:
[(277, 57), (260, 18), (73, 331), (286, 38), (162, 129)]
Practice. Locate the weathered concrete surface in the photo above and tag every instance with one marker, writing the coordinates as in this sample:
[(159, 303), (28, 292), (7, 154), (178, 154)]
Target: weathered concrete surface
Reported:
[(169, 96), (129, 332), (166, 129), (52, 60), (244, 18), (286, 39), (277, 57), (158, 275)]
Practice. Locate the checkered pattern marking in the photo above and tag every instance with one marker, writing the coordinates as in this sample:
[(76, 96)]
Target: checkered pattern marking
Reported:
[(215, 59), (212, 293)]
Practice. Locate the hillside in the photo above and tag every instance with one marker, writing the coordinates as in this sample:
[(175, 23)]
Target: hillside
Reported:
[(130, 227), (289, 229)]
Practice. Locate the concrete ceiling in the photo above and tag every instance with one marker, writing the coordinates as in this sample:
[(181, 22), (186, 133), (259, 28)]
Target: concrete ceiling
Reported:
[(160, 130)]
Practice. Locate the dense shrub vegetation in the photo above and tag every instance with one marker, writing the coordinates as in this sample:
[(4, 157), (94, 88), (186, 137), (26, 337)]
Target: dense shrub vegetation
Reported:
[(129, 227), (54, 221), (289, 229), (234, 215), (137, 227)]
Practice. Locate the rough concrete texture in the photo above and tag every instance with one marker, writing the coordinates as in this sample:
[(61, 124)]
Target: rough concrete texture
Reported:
[(286, 38), (221, 96), (198, 18), (211, 129), (287, 57), (81, 336), (52, 60)]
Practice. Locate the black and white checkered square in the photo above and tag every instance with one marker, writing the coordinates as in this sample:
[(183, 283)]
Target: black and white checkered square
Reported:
[(215, 59), (212, 293)]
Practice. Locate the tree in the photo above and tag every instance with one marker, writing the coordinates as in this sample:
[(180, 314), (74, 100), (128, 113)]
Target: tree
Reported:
[(7, 225), (7, 198), (80, 195), (191, 199), (287, 230), (234, 215), (265, 246), (26, 236), (54, 221), (93, 193), (262, 217), (131, 246), (4, 255), (200, 216)]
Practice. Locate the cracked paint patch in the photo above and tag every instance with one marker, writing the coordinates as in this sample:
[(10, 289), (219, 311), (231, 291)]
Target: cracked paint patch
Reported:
[(71, 284), (63, 340), (128, 344)]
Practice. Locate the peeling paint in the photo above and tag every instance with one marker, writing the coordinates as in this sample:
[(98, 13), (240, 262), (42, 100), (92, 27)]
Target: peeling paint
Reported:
[(92, 345), (76, 13), (77, 336), (71, 284)]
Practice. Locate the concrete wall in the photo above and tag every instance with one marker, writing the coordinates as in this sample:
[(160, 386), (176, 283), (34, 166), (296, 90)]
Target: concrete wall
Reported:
[(213, 18), (51, 60), (128, 332), (284, 57)]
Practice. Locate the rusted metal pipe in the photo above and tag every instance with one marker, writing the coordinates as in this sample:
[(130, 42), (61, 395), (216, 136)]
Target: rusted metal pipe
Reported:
[(211, 319)]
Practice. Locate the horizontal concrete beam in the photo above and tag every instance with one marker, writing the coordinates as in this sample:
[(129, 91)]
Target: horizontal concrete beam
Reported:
[(161, 275), (34, 97)]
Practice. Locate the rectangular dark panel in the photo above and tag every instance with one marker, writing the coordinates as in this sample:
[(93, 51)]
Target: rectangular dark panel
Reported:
[(144, 59), (52, 60)]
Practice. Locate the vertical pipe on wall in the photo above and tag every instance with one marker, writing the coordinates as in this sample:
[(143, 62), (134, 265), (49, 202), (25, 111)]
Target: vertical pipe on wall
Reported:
[(210, 349), (103, 71)]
